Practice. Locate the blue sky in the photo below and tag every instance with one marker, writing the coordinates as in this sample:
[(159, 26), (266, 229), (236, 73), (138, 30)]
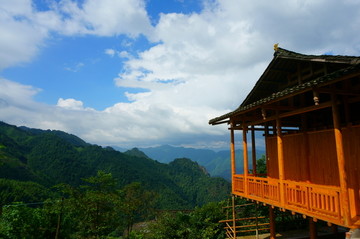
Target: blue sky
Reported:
[(76, 67), (138, 73)]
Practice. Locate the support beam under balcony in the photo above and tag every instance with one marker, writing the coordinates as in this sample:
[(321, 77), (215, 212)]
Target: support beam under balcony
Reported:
[(272, 223), (312, 228)]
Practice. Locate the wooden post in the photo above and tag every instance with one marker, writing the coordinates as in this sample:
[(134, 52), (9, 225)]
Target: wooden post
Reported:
[(234, 216), (246, 162), (272, 223), (334, 229), (341, 163), (312, 228), (256, 221), (306, 148), (280, 150), (233, 162), (253, 149), (266, 151)]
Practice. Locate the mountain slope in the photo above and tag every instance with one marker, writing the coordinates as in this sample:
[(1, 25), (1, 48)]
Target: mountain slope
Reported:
[(51, 157)]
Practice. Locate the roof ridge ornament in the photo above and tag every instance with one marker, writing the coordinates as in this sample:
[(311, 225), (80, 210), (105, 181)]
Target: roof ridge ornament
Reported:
[(276, 46)]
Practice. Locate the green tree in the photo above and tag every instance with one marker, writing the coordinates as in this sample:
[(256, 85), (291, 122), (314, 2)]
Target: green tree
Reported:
[(137, 203), (94, 207), (261, 165), (21, 222), (202, 223)]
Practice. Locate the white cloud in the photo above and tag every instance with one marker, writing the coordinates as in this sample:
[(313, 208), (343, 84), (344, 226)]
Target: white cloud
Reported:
[(110, 52), (25, 29), (16, 94), (19, 39), (203, 66), (70, 104), (105, 17)]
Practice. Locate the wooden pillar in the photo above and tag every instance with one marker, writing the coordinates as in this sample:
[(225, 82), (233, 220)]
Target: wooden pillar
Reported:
[(272, 223), (312, 228), (334, 229), (280, 150), (246, 161), (253, 150), (306, 148), (266, 149), (233, 162), (345, 206), (234, 216)]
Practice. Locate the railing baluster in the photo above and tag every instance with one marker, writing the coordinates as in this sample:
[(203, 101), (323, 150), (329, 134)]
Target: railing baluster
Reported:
[(315, 200)]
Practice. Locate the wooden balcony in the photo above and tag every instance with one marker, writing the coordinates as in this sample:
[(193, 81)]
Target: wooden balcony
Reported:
[(316, 201)]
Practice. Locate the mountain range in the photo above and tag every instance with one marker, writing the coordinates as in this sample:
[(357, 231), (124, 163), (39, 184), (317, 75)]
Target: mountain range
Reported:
[(216, 163), (32, 161)]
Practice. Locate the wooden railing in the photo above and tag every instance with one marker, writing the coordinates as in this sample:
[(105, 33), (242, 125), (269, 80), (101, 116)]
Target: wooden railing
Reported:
[(318, 201), (245, 225), (264, 188)]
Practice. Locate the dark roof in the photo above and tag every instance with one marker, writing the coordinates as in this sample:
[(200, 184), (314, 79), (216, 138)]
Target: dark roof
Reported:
[(267, 87)]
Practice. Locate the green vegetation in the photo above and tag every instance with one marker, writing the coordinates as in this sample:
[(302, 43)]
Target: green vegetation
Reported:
[(202, 223), (47, 158), (92, 210), (55, 185), (99, 208)]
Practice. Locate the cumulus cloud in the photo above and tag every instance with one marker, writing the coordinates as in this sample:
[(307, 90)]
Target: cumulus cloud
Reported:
[(24, 29), (202, 65), (110, 52), (104, 17), (16, 94), (124, 124), (70, 104), (207, 62), (22, 32)]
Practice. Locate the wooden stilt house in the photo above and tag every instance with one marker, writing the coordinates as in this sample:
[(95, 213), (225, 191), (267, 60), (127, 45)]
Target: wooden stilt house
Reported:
[(307, 108)]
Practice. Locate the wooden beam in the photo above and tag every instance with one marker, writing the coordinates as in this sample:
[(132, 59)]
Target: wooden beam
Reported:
[(232, 154), (272, 222), (221, 122), (312, 228), (338, 92), (246, 160), (334, 228), (253, 149), (294, 112), (281, 70), (234, 216), (279, 107), (306, 148), (280, 150), (341, 163)]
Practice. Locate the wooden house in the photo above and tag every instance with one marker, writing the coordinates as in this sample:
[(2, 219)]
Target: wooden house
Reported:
[(307, 108)]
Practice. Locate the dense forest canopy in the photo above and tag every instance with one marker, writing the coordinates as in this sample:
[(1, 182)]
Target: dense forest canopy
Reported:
[(32, 161)]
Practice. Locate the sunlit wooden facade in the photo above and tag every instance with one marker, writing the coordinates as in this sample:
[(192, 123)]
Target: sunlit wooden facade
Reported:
[(307, 107)]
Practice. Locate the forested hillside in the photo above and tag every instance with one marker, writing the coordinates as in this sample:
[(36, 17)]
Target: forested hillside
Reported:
[(33, 160)]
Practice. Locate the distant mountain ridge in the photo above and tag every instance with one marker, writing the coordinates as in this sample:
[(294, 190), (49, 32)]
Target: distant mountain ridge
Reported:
[(49, 157), (216, 163)]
